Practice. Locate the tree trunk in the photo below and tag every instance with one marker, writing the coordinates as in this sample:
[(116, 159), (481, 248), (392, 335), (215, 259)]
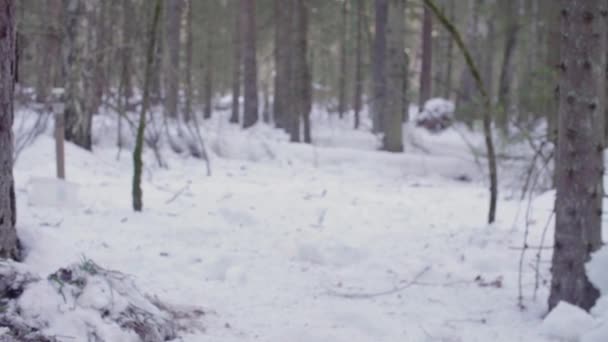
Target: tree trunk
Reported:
[(343, 62), (578, 202), (9, 244), (127, 50), (174, 21), (188, 70), (510, 9), (358, 93), (378, 66), (139, 141), (236, 64), (282, 9), (77, 114), (302, 78), (208, 77), (250, 107), (102, 33), (395, 67), (427, 58)]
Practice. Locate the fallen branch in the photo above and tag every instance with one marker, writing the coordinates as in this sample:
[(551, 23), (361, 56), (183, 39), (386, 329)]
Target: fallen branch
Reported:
[(381, 293), (177, 194)]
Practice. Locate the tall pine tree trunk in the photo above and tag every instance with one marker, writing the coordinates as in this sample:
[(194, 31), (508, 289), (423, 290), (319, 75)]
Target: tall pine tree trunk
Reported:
[(379, 65), (395, 75), (358, 93), (9, 244), (578, 202), (302, 77), (343, 62), (188, 68), (250, 107), (236, 63), (174, 21)]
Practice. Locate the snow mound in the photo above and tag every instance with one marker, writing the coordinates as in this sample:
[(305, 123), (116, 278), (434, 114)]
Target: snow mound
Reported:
[(567, 323), (436, 115), (596, 270), (87, 303)]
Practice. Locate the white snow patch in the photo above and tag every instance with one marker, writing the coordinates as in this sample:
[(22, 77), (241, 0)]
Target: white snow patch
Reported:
[(567, 323)]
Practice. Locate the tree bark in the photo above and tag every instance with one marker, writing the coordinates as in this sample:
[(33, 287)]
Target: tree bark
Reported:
[(77, 113), (378, 65), (174, 21), (236, 64), (188, 68), (9, 244), (395, 75), (302, 77), (578, 202), (358, 93), (281, 62), (250, 107), (343, 61), (427, 58)]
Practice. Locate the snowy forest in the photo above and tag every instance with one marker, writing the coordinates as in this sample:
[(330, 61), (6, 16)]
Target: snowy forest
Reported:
[(303, 170)]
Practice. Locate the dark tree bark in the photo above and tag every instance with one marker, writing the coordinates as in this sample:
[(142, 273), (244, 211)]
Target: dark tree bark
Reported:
[(395, 74), (174, 23), (9, 244), (127, 50), (302, 77), (343, 61), (139, 140), (378, 65), (250, 71), (208, 64), (578, 202), (358, 93), (427, 58), (281, 55), (188, 69), (236, 63)]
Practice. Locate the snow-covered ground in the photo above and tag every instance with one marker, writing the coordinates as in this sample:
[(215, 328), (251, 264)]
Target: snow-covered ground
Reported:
[(291, 242)]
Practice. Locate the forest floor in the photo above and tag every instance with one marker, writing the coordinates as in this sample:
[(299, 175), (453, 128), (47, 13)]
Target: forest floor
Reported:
[(299, 243)]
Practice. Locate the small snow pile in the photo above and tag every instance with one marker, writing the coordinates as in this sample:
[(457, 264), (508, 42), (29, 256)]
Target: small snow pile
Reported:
[(437, 115), (567, 323), (85, 302), (596, 271)]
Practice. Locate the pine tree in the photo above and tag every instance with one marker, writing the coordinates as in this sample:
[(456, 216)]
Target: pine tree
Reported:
[(579, 173), (9, 244)]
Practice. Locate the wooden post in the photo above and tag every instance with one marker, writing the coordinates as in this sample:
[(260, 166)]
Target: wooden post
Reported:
[(59, 139)]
